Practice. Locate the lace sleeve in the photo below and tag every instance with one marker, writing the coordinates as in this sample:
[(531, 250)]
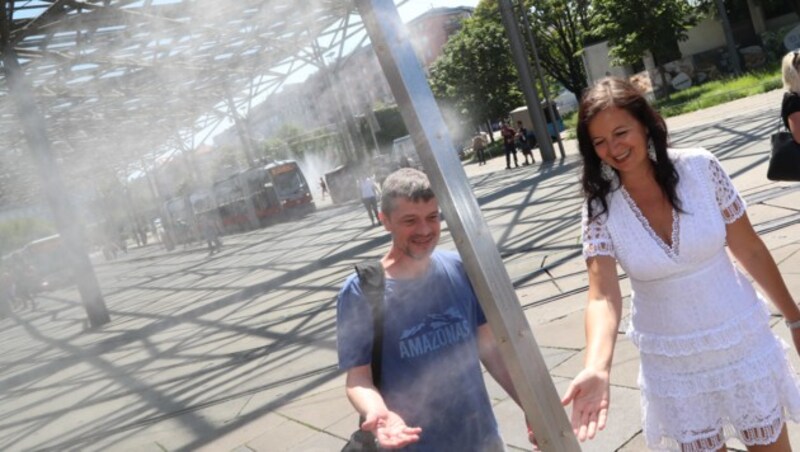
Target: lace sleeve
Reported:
[(594, 235), (731, 205)]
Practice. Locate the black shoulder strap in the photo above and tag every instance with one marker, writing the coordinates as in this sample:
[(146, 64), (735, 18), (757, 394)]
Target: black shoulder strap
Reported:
[(372, 278)]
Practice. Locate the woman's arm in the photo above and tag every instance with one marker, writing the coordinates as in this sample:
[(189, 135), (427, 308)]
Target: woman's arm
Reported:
[(794, 125), (590, 389), (747, 247), (603, 312)]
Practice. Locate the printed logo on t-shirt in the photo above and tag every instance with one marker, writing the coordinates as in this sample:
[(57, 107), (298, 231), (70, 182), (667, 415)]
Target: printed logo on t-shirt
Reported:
[(435, 332)]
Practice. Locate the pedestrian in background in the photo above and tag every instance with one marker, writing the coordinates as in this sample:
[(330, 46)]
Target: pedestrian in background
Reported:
[(479, 146), (369, 197), (509, 144), (524, 143), (711, 368), (790, 107), (323, 187)]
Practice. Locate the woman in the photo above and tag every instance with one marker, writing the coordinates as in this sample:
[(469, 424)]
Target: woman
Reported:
[(790, 108), (711, 368)]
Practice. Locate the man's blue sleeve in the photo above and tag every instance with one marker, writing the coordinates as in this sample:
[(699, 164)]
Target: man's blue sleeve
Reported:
[(353, 326)]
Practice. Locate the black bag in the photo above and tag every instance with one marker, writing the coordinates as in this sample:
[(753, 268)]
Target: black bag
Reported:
[(784, 164), (371, 276)]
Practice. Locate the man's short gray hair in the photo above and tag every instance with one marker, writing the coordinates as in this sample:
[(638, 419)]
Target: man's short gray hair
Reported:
[(405, 183)]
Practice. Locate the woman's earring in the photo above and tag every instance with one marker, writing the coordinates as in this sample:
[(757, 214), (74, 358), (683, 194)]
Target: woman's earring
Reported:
[(607, 172), (651, 150)]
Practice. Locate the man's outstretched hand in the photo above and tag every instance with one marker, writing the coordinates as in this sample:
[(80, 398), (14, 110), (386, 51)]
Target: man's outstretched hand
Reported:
[(390, 430)]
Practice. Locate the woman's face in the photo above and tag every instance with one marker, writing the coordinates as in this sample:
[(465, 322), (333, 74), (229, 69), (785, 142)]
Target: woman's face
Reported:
[(619, 139)]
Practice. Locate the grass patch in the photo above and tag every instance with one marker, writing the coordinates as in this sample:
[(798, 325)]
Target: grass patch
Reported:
[(719, 91)]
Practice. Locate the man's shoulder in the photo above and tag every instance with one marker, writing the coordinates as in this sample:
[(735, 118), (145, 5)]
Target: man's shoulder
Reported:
[(351, 287)]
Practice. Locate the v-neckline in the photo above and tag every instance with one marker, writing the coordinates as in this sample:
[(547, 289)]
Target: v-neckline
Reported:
[(671, 249)]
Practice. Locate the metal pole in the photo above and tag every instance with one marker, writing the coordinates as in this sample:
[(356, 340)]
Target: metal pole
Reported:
[(540, 75), (241, 128), (726, 27), (69, 226), (472, 237), (526, 82)]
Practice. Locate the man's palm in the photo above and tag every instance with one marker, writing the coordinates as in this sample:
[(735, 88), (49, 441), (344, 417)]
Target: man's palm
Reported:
[(392, 432)]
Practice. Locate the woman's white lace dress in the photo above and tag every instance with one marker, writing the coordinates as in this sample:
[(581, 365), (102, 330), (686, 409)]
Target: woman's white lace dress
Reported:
[(711, 368)]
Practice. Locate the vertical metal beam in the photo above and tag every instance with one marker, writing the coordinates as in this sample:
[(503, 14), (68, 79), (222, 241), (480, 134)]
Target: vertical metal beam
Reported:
[(540, 74), (726, 27), (241, 128), (526, 83), (69, 226), (472, 237)]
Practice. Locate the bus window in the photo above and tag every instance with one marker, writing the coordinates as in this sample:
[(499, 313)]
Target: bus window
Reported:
[(289, 184)]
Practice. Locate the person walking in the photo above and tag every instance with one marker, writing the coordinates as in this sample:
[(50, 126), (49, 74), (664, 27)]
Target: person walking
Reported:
[(524, 142), (369, 197), (509, 144), (479, 146), (710, 366), (323, 187), (432, 396)]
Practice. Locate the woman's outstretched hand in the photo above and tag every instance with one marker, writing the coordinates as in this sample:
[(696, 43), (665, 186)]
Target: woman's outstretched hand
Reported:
[(390, 430), (589, 395)]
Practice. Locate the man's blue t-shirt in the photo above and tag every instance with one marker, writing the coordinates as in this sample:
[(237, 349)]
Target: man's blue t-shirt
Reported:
[(431, 373)]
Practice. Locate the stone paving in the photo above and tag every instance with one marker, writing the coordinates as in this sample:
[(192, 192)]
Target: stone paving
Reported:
[(237, 352)]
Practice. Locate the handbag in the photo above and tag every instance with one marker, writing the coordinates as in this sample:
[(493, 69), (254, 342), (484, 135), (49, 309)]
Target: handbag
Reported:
[(372, 278), (784, 163)]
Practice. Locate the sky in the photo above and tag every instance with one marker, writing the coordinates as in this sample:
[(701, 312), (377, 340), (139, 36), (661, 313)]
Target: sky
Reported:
[(414, 8)]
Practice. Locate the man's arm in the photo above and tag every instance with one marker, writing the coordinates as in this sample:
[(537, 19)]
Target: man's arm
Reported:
[(389, 428), (491, 359), (362, 393)]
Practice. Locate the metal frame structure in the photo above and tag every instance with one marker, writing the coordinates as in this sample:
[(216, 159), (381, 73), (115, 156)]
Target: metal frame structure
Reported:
[(104, 71), (83, 75)]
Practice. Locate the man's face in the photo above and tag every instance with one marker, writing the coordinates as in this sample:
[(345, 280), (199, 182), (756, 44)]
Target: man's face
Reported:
[(415, 226)]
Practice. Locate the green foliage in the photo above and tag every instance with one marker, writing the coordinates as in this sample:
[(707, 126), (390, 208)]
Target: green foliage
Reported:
[(15, 233), (391, 126), (634, 27), (475, 74), (560, 28)]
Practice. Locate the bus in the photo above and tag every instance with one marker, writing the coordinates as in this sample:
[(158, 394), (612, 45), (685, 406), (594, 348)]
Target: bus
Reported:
[(277, 190), (49, 261)]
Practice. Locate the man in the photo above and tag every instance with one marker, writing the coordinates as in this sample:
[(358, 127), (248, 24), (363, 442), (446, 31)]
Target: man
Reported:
[(509, 145), (478, 145), (432, 395), (524, 142), (323, 187), (369, 196)]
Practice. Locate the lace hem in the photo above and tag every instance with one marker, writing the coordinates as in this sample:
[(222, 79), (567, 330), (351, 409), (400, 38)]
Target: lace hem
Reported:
[(761, 435), (597, 248), (730, 203), (725, 336), (672, 249), (734, 211), (762, 371)]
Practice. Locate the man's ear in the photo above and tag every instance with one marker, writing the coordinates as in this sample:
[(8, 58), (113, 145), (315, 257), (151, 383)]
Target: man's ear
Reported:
[(384, 219)]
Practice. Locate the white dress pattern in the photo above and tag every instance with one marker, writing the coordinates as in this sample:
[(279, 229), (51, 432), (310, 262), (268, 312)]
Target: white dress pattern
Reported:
[(711, 368)]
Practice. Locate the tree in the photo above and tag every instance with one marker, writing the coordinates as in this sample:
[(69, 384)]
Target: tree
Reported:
[(635, 27), (560, 28), (475, 73)]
